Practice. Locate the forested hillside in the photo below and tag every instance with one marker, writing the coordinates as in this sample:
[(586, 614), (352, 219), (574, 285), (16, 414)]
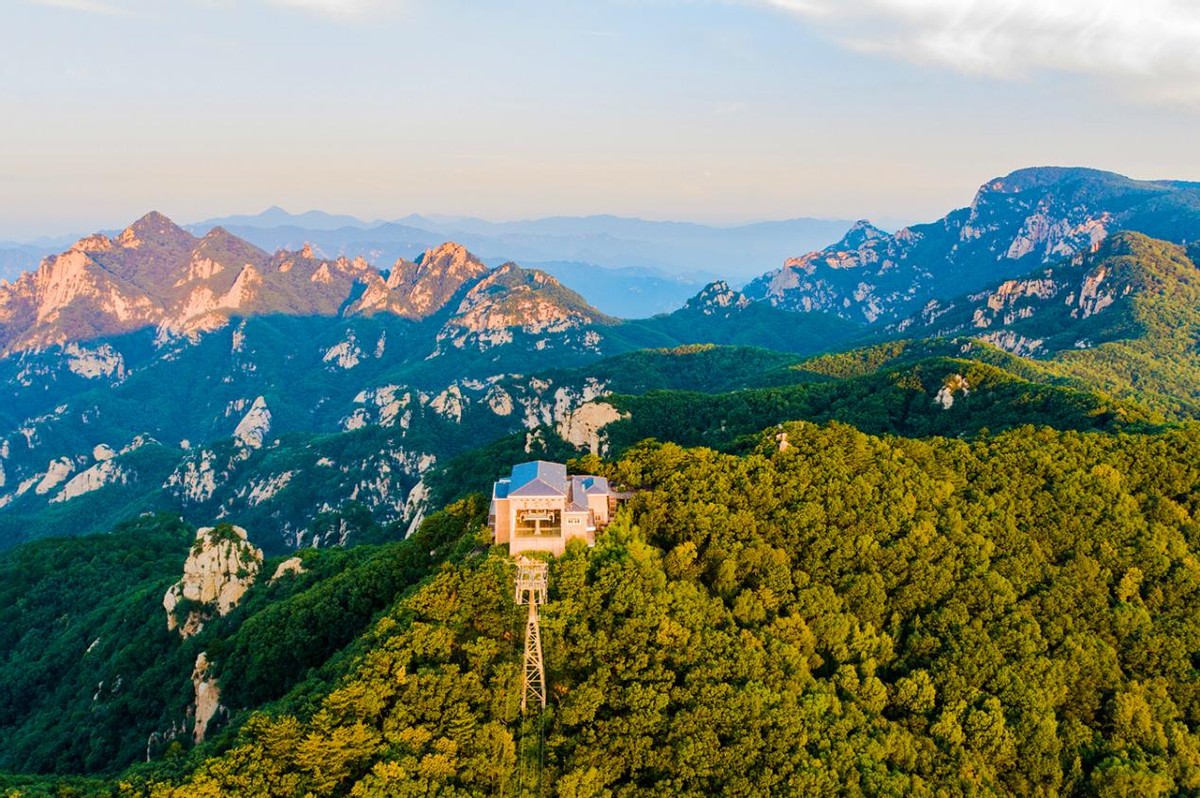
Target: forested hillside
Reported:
[(92, 680), (833, 612)]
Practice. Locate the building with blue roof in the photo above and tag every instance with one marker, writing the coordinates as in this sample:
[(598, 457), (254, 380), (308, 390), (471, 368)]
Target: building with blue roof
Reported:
[(538, 507)]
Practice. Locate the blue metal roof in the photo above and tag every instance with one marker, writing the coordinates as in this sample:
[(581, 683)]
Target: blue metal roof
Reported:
[(538, 478), (578, 495), (596, 485)]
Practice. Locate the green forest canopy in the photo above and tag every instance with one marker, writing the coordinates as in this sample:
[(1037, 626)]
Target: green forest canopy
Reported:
[(840, 613)]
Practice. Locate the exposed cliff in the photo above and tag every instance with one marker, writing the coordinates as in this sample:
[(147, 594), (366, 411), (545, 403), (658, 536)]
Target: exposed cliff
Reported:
[(207, 700), (584, 426), (717, 298), (221, 566), (157, 275)]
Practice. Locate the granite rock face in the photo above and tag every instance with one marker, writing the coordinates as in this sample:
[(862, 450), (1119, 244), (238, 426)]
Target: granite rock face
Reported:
[(207, 698), (220, 568)]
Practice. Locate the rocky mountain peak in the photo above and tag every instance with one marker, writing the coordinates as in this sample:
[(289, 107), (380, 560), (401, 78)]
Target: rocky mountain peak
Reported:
[(510, 298), (219, 236), (509, 279), (1078, 303), (1040, 177), (224, 247), (450, 258), (220, 568), (859, 233), (418, 289), (1033, 216), (156, 229), (96, 242), (717, 298), (511, 273)]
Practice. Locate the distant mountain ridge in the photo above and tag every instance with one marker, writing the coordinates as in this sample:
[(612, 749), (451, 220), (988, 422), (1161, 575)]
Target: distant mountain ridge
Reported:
[(285, 385), (1015, 223), (634, 268), (276, 216), (156, 274)]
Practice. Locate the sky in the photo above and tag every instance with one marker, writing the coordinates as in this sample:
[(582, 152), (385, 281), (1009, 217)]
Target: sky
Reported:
[(720, 111)]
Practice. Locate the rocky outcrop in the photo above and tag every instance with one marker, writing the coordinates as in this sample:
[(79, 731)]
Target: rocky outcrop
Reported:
[(954, 385), (418, 289), (262, 489), (207, 701), (293, 566), (220, 568), (56, 472), (100, 362), (1045, 311), (448, 403), (253, 428), (717, 299), (344, 355), (386, 406), (583, 426), (196, 479), (416, 506), (105, 472), (1016, 343), (1098, 292)]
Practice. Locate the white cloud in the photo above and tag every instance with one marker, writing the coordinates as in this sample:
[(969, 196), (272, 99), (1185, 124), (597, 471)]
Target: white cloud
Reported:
[(1150, 48)]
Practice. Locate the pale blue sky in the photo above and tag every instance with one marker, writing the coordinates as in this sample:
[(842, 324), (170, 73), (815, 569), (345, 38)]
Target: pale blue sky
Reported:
[(721, 111)]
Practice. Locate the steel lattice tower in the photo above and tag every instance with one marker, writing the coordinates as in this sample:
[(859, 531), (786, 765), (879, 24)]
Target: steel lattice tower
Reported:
[(531, 590)]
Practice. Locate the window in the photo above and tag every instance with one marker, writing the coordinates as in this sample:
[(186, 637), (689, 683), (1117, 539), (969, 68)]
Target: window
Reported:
[(538, 523)]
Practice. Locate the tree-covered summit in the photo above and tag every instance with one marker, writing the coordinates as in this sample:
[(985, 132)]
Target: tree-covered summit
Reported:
[(833, 613)]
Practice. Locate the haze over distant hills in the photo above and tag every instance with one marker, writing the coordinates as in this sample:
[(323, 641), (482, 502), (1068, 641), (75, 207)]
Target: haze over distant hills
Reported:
[(652, 267), (628, 267), (676, 248)]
